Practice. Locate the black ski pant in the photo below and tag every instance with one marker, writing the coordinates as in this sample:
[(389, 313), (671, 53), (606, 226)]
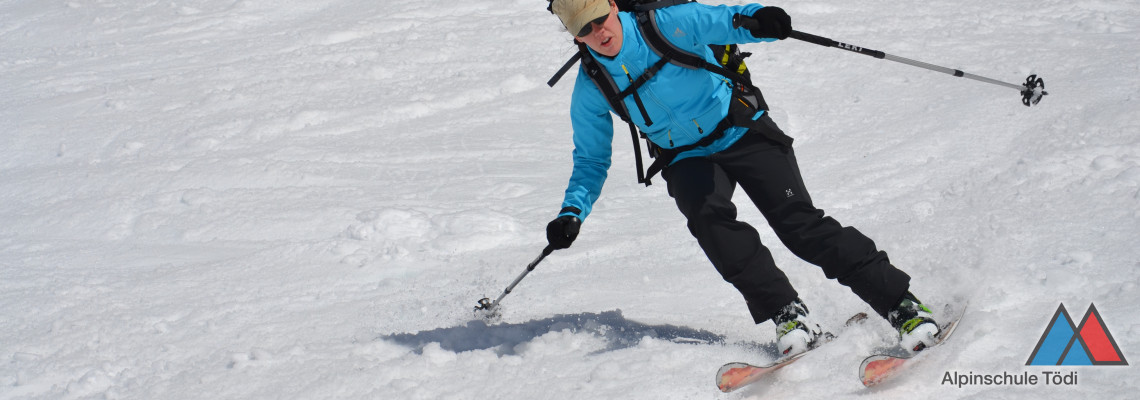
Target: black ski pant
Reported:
[(769, 175)]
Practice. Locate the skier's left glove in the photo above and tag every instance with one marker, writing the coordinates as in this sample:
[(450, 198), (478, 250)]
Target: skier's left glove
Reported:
[(771, 22), (562, 231)]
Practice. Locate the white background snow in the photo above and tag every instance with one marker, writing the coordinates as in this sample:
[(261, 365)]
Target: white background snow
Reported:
[(254, 199)]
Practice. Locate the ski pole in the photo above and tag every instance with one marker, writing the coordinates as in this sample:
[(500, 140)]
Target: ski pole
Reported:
[(1031, 91), (488, 308)]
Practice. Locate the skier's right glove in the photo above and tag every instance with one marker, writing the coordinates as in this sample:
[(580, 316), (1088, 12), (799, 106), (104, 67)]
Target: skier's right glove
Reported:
[(771, 22), (562, 231)]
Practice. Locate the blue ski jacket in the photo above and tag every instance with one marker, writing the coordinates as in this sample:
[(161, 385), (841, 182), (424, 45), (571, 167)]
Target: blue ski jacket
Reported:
[(683, 104)]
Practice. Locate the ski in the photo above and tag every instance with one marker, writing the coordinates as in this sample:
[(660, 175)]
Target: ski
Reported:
[(735, 375), (879, 367)]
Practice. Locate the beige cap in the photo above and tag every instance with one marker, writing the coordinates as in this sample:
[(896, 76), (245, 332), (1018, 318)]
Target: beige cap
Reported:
[(575, 14)]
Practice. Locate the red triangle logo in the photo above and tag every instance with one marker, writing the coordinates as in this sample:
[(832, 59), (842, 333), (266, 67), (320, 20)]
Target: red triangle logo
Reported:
[(1101, 346)]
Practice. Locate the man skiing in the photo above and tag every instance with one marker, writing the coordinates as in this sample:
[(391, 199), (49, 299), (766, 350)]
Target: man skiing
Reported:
[(691, 111)]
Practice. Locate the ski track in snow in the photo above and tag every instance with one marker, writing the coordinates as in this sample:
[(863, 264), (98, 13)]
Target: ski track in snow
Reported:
[(286, 199)]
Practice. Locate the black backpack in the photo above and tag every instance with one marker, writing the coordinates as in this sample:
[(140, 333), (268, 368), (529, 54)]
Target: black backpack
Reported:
[(730, 64)]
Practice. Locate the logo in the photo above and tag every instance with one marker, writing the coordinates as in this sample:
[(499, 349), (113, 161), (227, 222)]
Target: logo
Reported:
[(678, 33), (1065, 343), (846, 46)]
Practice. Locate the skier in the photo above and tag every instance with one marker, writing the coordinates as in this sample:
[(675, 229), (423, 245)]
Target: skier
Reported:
[(679, 107)]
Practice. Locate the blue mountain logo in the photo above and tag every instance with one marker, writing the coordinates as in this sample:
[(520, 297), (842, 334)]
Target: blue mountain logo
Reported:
[(1065, 343)]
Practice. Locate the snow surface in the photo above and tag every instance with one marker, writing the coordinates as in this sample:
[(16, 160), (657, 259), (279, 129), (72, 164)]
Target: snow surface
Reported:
[(254, 199)]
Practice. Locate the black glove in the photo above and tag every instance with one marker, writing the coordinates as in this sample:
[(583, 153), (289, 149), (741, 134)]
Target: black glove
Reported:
[(562, 231), (771, 22)]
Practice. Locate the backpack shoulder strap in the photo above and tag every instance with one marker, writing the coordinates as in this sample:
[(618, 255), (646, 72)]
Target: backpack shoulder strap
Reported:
[(604, 81), (647, 21), (609, 88), (565, 67)]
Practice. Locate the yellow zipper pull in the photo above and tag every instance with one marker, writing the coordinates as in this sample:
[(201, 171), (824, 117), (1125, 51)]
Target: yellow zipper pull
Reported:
[(699, 130), (627, 75)]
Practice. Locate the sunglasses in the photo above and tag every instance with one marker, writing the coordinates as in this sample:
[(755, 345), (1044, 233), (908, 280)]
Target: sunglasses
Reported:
[(589, 28)]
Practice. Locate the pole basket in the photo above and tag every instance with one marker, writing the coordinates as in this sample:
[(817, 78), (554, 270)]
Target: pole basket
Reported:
[(487, 311), (1034, 91)]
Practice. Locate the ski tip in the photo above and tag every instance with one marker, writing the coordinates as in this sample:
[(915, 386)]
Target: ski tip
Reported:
[(732, 376), (876, 369)]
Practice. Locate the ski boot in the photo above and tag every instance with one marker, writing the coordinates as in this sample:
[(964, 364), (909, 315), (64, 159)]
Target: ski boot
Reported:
[(795, 332), (915, 323)]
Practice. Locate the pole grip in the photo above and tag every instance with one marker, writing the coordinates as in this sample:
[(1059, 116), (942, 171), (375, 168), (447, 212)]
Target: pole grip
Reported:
[(807, 37), (741, 20), (545, 252), (828, 42)]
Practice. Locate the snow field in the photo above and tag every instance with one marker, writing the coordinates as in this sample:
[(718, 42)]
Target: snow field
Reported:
[(253, 199)]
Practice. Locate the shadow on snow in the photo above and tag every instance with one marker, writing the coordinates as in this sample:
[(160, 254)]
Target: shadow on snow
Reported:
[(617, 331)]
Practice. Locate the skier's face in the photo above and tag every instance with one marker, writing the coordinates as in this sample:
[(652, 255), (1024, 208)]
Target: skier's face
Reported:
[(604, 37)]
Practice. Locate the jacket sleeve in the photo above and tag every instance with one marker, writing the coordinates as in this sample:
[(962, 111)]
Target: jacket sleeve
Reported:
[(593, 139), (712, 24)]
